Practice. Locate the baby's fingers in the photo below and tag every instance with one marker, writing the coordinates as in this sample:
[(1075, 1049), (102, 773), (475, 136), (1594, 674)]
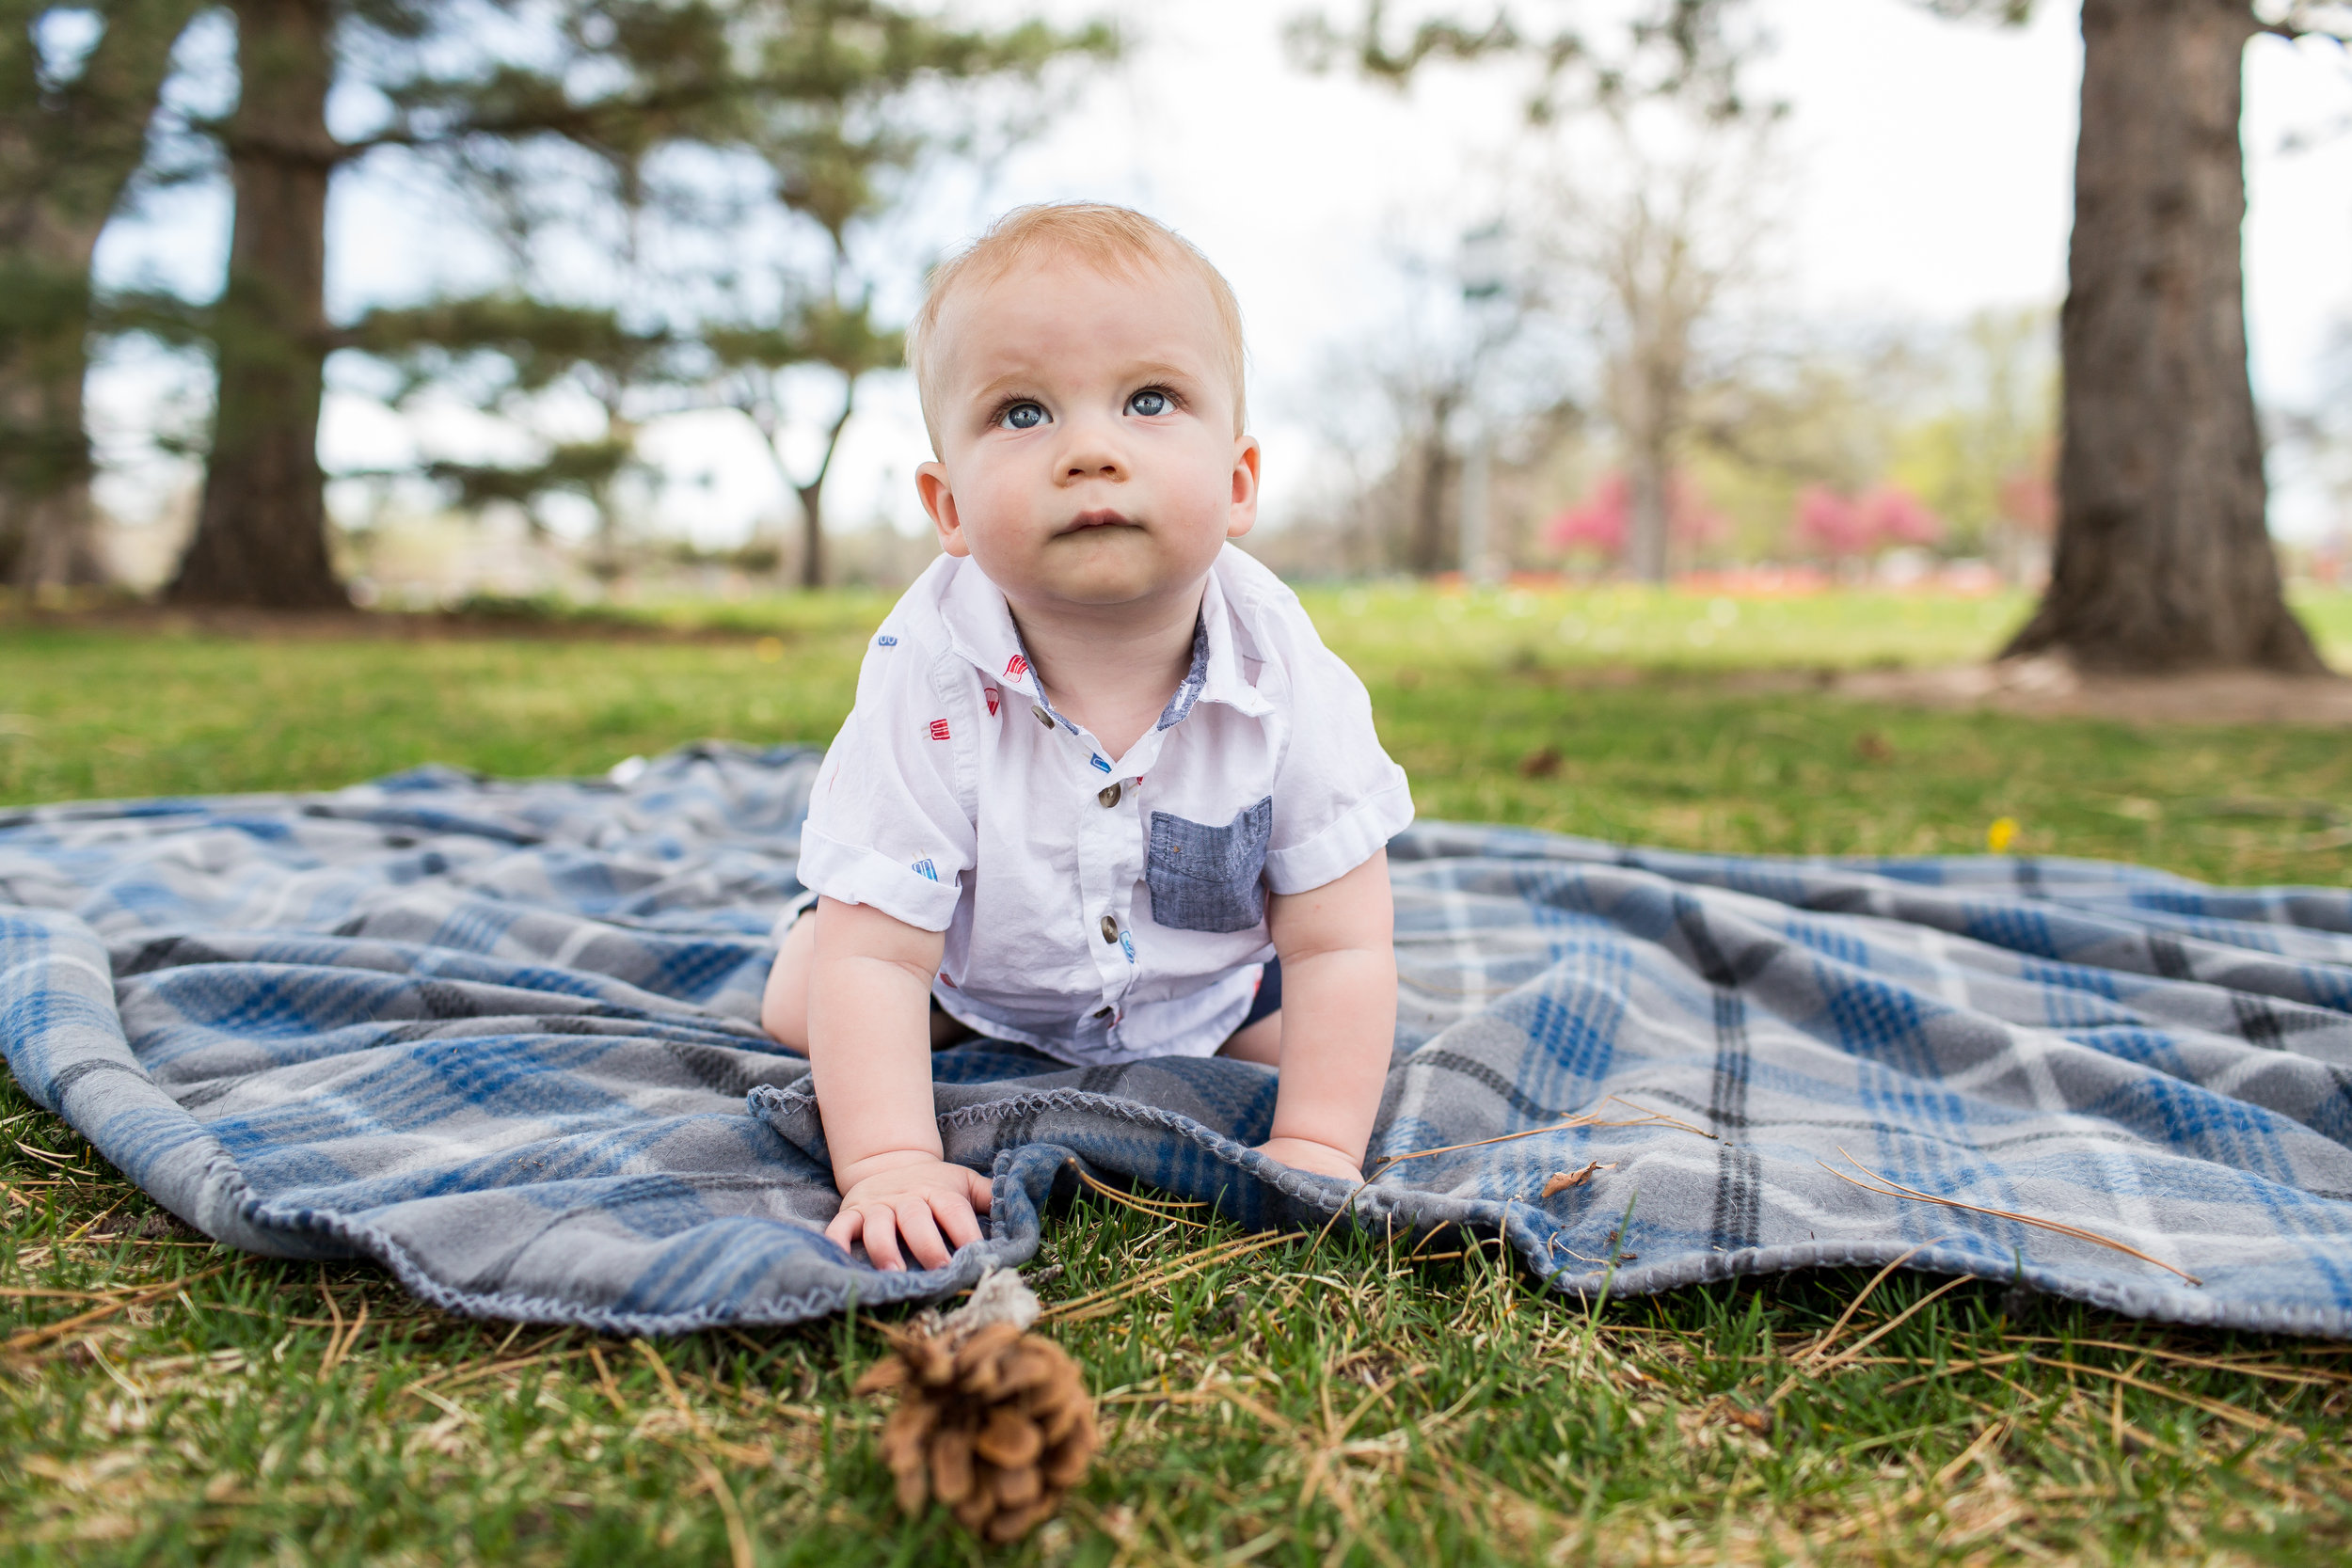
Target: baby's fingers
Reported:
[(882, 1238), (921, 1231), (956, 1219)]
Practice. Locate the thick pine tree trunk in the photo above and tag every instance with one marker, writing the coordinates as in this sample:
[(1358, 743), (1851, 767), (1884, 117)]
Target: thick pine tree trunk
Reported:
[(66, 156), (48, 531), (2163, 558), (261, 536)]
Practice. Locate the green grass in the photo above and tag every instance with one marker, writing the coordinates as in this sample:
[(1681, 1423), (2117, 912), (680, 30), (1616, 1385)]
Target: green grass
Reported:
[(1315, 1402)]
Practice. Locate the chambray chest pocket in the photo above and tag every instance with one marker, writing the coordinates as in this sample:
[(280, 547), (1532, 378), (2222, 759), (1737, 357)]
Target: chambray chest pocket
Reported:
[(1207, 879)]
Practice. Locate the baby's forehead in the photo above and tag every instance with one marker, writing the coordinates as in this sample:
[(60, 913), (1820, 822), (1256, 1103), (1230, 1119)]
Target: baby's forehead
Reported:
[(1015, 287)]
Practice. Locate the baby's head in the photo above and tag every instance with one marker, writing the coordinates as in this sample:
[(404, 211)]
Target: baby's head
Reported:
[(1081, 374)]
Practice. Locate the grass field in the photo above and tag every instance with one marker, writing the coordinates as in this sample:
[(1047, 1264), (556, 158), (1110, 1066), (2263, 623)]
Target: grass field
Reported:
[(1310, 1402)]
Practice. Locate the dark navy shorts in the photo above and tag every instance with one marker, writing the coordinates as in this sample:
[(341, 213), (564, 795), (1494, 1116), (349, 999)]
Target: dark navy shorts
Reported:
[(1264, 1004), (1269, 998)]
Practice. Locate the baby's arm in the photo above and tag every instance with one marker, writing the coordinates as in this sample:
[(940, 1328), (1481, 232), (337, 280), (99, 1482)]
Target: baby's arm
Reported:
[(869, 1053), (1337, 944)]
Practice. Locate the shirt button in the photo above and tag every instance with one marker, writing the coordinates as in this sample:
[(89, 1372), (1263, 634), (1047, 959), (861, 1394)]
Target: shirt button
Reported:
[(1043, 717), (1109, 796), (1110, 929)]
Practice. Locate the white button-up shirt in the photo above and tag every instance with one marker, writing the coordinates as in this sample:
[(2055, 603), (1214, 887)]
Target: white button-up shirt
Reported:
[(1099, 909)]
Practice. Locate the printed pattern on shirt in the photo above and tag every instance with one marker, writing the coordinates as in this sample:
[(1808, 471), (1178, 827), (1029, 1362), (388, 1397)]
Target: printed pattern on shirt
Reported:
[(924, 869), (939, 729), (994, 699), (1016, 666)]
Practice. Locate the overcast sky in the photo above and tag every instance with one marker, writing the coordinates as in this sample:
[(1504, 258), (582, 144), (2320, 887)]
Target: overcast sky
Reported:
[(1930, 165)]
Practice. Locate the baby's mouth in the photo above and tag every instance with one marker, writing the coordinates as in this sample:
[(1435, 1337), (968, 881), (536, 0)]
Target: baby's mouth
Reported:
[(1100, 517)]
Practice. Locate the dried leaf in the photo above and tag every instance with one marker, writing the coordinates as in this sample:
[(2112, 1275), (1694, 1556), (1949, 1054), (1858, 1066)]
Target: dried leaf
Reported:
[(1563, 1179)]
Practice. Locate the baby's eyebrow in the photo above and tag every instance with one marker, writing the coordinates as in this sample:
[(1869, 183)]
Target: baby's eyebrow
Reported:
[(1154, 370), (1026, 381)]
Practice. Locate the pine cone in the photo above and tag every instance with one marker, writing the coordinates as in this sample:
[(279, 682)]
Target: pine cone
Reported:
[(994, 1422)]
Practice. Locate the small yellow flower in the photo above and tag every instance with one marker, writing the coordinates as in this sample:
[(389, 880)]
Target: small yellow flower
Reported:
[(2003, 833), (767, 650)]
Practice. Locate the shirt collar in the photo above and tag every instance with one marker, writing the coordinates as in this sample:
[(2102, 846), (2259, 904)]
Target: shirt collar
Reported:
[(981, 629)]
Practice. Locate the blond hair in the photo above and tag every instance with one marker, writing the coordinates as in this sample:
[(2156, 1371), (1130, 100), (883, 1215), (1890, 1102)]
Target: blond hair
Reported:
[(1116, 240)]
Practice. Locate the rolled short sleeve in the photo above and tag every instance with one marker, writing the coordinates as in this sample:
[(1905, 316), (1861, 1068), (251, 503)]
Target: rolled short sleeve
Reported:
[(1338, 798), (891, 824)]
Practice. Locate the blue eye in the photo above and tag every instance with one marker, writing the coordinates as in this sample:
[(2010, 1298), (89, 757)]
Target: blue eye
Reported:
[(1149, 402), (1022, 416)]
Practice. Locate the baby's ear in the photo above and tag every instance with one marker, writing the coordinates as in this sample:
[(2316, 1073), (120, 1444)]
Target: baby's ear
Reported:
[(939, 503), (1244, 514)]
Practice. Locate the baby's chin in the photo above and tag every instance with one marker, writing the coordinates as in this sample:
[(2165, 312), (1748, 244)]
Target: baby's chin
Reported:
[(1111, 566)]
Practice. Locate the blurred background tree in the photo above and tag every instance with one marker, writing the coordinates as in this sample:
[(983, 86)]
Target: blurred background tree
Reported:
[(2162, 554), (2164, 558), (78, 87), (619, 151)]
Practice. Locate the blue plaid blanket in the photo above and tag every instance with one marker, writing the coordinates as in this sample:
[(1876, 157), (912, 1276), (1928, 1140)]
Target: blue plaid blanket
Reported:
[(500, 1038)]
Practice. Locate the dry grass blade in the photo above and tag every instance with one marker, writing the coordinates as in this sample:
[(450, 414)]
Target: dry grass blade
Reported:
[(669, 1386), (1583, 1119), (1890, 1325), (1819, 1347), (28, 1338), (604, 1377), (2302, 1375), (1189, 1263), (334, 1334), (1896, 1189), (738, 1534), (1141, 1206), (1993, 1434), (2231, 1412)]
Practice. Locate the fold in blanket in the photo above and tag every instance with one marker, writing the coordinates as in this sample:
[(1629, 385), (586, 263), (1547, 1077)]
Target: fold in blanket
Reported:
[(500, 1038)]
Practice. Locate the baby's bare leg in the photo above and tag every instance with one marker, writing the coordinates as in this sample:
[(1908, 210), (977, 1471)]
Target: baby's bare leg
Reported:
[(1261, 1042), (783, 1006)]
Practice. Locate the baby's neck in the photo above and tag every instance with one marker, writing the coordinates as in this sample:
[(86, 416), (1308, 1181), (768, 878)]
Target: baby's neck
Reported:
[(1112, 671)]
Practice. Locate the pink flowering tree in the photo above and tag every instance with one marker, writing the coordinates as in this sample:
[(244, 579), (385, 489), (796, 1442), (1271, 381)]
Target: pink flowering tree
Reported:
[(1844, 528), (1596, 527)]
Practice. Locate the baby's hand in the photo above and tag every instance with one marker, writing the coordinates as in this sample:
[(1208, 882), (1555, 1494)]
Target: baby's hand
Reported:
[(916, 1198), (1306, 1154)]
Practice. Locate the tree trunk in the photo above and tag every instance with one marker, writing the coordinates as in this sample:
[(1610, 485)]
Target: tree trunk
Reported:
[(812, 533), (811, 495), (1645, 511), (66, 156), (48, 533), (261, 534), (2163, 559), (1425, 548)]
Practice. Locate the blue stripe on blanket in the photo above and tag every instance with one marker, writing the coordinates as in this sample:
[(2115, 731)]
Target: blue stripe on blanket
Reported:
[(500, 1038)]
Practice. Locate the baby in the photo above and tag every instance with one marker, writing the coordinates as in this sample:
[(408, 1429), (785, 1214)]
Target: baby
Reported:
[(1103, 791)]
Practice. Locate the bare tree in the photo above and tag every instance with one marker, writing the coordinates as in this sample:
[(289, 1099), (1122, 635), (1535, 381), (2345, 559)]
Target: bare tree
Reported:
[(1661, 248), (1649, 254)]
